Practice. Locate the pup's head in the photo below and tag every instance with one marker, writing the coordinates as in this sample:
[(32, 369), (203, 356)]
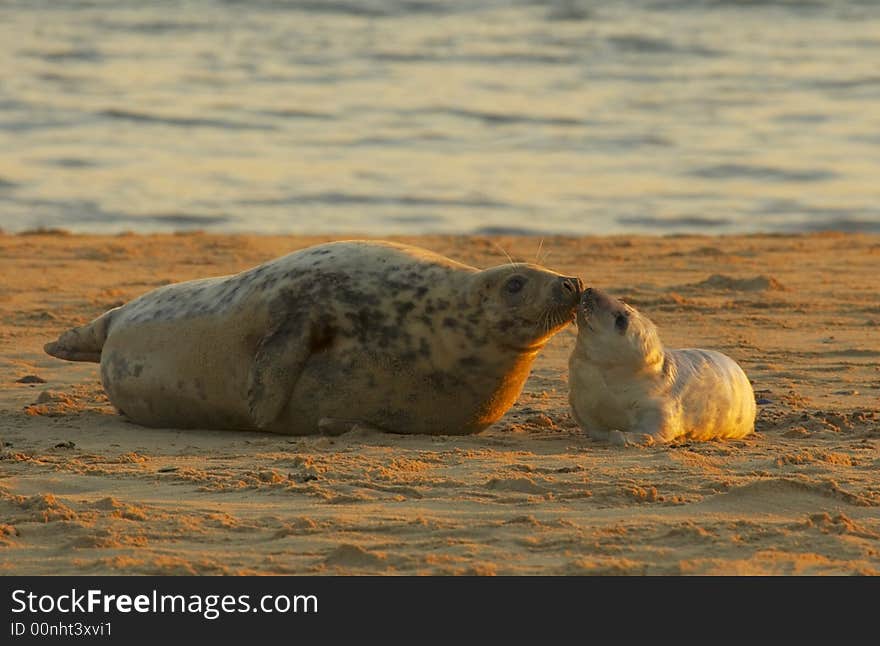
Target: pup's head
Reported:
[(610, 332)]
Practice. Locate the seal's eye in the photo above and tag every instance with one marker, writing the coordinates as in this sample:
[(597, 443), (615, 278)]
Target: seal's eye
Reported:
[(515, 284), (621, 322)]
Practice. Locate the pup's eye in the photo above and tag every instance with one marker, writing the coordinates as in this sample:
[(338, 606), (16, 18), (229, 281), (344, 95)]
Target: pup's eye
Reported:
[(621, 322), (515, 284)]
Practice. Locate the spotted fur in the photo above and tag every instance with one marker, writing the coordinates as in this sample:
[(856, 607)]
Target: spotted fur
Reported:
[(393, 336)]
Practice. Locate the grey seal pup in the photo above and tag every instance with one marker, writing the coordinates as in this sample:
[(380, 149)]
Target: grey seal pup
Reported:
[(385, 335), (625, 387)]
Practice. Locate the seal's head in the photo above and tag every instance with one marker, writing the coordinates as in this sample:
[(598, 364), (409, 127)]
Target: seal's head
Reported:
[(610, 332), (524, 305)]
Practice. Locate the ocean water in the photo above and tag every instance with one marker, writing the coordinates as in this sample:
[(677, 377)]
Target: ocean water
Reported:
[(416, 116)]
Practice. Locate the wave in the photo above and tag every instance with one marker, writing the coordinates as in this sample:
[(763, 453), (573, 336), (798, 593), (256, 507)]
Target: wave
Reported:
[(500, 58), (292, 113), (182, 122), (508, 231), (848, 225), (498, 118), (89, 214), (70, 162), (415, 139), (569, 10), (421, 220), (684, 221), (797, 216), (763, 173), (66, 55), (155, 27), (359, 8), (746, 4), (182, 220), (337, 198), (846, 84), (639, 44)]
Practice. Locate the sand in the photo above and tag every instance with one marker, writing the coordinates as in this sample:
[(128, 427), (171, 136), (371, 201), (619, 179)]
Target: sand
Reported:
[(83, 491)]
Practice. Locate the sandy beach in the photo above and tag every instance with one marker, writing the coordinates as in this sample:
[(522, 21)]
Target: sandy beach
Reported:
[(83, 491)]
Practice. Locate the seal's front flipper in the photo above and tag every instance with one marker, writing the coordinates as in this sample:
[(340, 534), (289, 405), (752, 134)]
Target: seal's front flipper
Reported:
[(334, 426), (278, 364), (599, 434), (621, 439)]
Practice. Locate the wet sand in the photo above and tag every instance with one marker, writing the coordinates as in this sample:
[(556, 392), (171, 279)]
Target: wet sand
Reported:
[(82, 491)]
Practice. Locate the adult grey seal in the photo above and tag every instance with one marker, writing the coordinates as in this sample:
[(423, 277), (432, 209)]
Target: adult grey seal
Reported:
[(625, 387), (385, 335)]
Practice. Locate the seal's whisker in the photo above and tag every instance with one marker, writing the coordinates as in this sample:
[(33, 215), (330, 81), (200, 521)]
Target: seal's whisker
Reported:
[(507, 255), (539, 259), (541, 322), (553, 318), (548, 320)]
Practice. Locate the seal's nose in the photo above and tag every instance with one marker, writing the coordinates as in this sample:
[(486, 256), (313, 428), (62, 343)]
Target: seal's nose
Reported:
[(571, 286)]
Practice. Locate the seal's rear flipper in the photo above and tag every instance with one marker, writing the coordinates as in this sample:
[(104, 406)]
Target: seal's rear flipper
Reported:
[(82, 343)]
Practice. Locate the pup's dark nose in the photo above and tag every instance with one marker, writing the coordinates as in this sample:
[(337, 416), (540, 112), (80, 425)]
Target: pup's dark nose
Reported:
[(590, 297)]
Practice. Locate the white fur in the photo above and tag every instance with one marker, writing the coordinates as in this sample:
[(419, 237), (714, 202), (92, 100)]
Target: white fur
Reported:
[(626, 388)]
